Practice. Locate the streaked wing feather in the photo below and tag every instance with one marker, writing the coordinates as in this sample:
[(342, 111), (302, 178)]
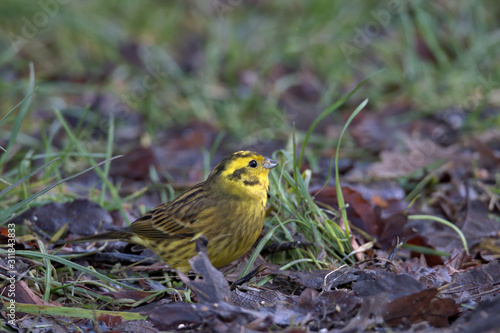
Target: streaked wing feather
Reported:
[(173, 220)]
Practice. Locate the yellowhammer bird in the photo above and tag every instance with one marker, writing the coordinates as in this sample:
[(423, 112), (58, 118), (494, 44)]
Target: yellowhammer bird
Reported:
[(228, 209)]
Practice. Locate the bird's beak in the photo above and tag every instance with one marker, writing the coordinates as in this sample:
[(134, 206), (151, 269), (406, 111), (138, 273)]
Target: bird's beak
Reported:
[(269, 163)]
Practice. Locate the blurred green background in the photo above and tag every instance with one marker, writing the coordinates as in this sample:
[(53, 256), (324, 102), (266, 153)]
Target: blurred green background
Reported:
[(171, 84), (248, 68)]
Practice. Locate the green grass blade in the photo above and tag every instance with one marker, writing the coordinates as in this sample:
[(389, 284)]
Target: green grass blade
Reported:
[(340, 197), (109, 153), (426, 28), (20, 117), (12, 210), (257, 250), (328, 111), (443, 221), (48, 272), (415, 192), (31, 174), (425, 250), (38, 255), (15, 107), (298, 261), (295, 168), (72, 312), (74, 140)]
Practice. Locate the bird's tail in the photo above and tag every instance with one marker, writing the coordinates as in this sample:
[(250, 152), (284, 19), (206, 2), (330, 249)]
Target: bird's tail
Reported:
[(122, 234)]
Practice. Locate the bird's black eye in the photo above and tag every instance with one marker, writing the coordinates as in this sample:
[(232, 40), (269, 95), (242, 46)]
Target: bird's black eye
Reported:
[(252, 164)]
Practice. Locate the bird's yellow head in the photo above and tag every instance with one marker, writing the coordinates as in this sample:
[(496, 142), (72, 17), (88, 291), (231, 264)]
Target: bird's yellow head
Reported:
[(243, 172)]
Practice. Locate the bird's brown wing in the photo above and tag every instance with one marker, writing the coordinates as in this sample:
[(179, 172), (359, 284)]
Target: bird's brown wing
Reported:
[(174, 220)]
